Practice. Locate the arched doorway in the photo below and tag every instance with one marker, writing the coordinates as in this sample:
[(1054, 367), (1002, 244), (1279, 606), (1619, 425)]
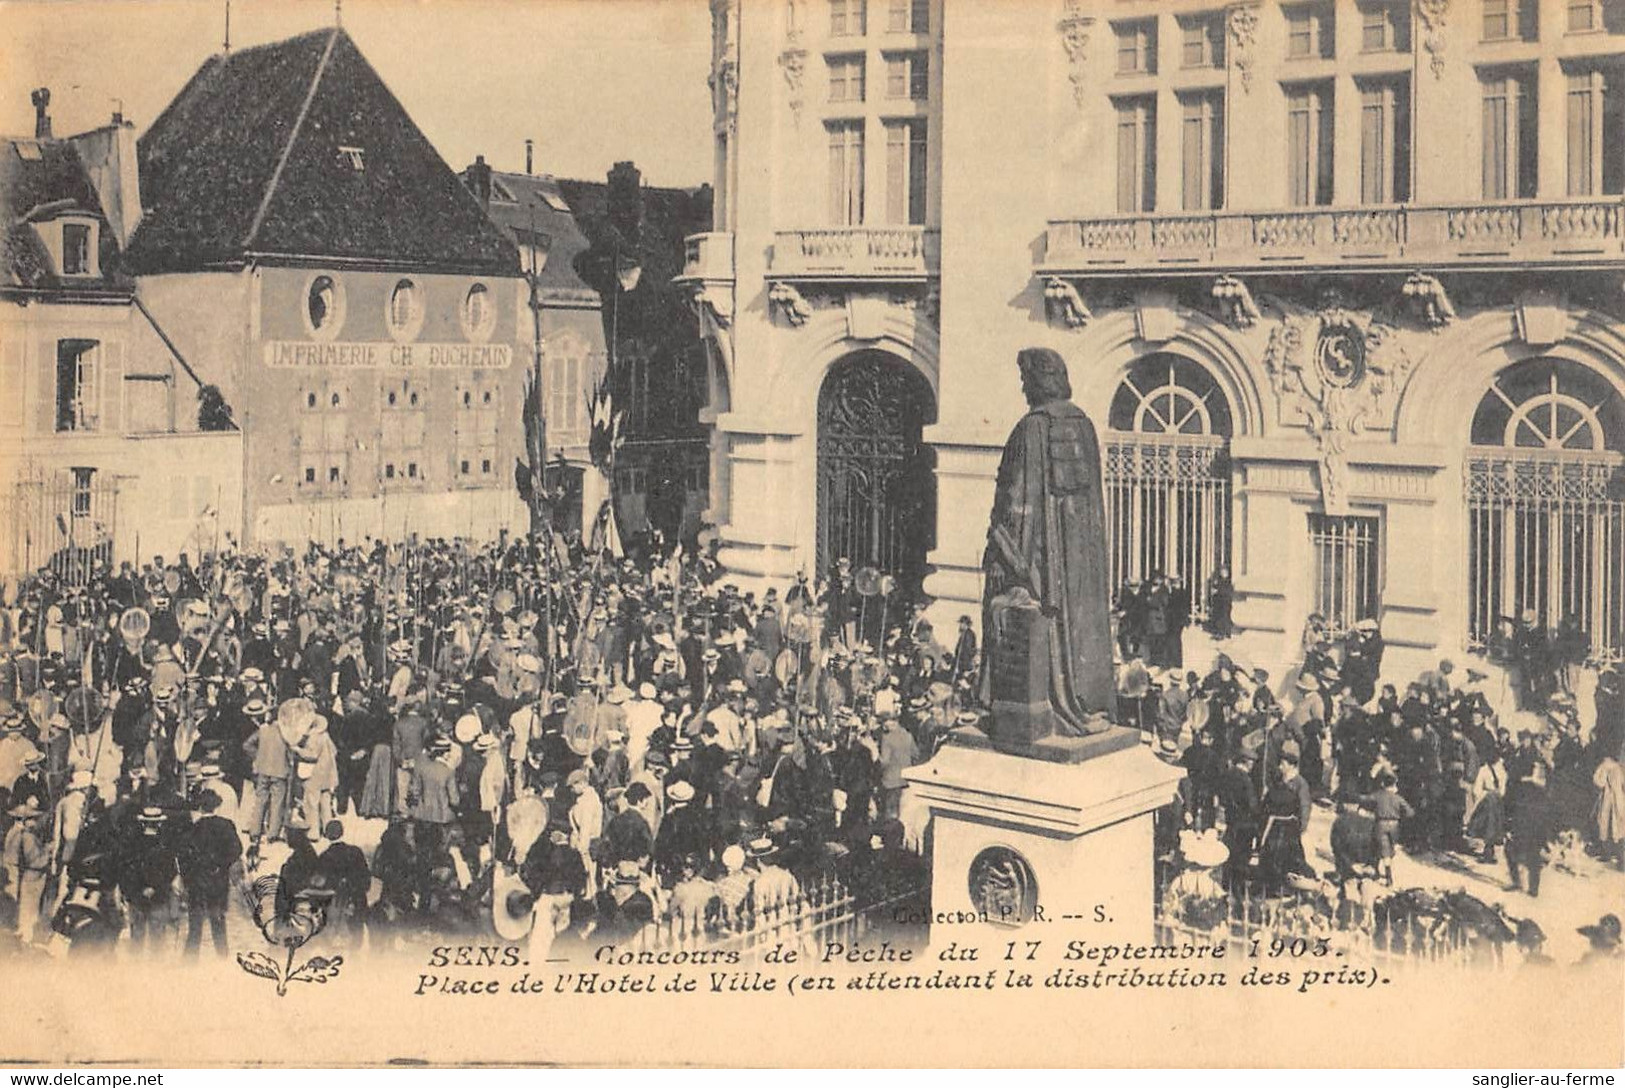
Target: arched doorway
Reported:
[(876, 488), (1546, 503), (1167, 475)]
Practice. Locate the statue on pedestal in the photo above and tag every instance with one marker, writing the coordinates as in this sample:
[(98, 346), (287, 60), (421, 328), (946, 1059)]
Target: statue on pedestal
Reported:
[(1046, 609)]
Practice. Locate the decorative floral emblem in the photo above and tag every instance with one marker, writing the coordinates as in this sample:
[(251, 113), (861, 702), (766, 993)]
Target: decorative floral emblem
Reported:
[(1003, 886), (288, 924)]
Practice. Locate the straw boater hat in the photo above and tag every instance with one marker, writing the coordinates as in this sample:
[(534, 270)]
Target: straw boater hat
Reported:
[(680, 791), (513, 907), (967, 717), (485, 742), (468, 728), (1307, 682), (1203, 849), (27, 810)]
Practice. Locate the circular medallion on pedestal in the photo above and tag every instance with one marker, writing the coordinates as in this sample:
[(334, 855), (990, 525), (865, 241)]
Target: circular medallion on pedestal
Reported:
[(1003, 886)]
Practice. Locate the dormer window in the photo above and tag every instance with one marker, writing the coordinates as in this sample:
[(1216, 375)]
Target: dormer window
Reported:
[(352, 157), (78, 249)]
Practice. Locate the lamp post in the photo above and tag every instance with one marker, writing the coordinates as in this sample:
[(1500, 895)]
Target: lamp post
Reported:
[(541, 521)]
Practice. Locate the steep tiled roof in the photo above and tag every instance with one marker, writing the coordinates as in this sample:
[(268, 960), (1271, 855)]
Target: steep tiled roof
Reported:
[(254, 157), (521, 203), (40, 179)]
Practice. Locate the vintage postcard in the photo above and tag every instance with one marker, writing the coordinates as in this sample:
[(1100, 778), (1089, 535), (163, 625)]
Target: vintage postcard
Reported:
[(807, 532)]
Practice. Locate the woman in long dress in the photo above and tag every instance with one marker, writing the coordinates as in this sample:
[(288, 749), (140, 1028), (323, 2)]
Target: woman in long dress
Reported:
[(1486, 802), (377, 792)]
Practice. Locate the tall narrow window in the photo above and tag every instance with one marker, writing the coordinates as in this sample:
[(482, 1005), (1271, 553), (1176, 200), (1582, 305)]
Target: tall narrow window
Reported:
[(1506, 20), (75, 249), (1309, 145), (1201, 41), (83, 489), (1136, 154), (1583, 15), (1385, 142), (846, 173), (847, 18), (1310, 31), (908, 75), (846, 77), (1596, 132), (1137, 47), (908, 16), (1509, 137), (1385, 27), (78, 385), (1202, 151), (905, 171)]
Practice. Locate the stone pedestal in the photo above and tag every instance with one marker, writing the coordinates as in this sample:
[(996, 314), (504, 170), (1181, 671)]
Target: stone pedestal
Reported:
[(1033, 846)]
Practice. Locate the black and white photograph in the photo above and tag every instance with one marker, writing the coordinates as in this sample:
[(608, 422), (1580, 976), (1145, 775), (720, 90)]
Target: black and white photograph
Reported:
[(981, 515)]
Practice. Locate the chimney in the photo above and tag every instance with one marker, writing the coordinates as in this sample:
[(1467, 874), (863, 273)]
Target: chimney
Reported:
[(108, 155), (479, 179), (42, 120), (129, 177), (530, 156), (626, 199)]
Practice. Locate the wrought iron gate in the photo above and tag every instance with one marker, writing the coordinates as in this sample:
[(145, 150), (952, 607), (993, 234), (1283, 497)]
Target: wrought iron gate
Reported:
[(1347, 568), (876, 490), (1546, 534), (1168, 509), (66, 522)]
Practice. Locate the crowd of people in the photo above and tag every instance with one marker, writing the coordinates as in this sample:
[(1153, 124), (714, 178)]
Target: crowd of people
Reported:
[(440, 737), (1430, 769), (545, 736)]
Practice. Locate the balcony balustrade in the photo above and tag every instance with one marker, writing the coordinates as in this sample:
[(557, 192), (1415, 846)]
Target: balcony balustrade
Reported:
[(1509, 234)]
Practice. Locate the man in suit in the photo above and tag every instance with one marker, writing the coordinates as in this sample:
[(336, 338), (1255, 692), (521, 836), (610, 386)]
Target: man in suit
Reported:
[(347, 874), (208, 849), (432, 798)]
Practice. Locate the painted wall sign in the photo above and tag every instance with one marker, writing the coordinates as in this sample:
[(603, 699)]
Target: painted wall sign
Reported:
[(304, 354)]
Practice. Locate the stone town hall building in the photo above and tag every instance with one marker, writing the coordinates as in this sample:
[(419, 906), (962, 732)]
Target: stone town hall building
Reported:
[(1340, 283)]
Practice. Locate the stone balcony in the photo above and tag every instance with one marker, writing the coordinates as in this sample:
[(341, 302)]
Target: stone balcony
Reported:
[(1568, 234), (857, 254), (708, 258)]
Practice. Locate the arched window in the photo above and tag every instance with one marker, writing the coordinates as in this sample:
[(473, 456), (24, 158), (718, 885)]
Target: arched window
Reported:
[(1170, 394), (1546, 508), (1549, 404), (1167, 476)]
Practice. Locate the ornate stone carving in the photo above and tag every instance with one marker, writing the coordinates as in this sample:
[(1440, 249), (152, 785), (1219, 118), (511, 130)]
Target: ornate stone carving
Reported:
[(1428, 295), (1433, 14), (793, 61), (724, 78), (725, 89), (927, 301), (715, 307), (1064, 305), (1236, 304), (1347, 383), (795, 308), (1074, 31), (1242, 24)]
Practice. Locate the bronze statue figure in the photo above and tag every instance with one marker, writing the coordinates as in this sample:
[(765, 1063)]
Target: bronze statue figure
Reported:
[(1046, 608)]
